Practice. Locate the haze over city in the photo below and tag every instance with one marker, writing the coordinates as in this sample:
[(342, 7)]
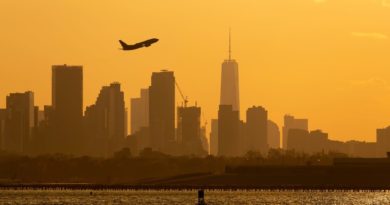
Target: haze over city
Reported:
[(312, 59)]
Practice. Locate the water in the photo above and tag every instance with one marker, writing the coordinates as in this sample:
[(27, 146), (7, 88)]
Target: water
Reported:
[(190, 197)]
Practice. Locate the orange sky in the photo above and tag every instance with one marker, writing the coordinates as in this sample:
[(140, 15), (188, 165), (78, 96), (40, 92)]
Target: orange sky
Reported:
[(326, 60)]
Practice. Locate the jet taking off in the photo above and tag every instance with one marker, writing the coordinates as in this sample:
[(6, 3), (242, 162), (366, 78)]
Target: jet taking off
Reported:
[(146, 43)]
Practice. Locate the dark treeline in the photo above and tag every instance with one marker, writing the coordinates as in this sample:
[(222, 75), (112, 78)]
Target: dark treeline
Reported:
[(148, 166)]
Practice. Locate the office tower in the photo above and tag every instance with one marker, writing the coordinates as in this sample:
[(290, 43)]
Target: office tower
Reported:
[(214, 137), (140, 111), (383, 141), (205, 141), (67, 103), (273, 135), (230, 82), (44, 141), (308, 142), (292, 123), (189, 130), (19, 122), (228, 131), (105, 121), (256, 129), (2, 127), (162, 111)]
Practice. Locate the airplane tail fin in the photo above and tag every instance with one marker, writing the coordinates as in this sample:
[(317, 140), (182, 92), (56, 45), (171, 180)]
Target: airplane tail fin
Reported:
[(123, 44)]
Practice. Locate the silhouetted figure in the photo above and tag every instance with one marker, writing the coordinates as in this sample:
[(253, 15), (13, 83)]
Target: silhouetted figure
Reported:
[(142, 44), (201, 200)]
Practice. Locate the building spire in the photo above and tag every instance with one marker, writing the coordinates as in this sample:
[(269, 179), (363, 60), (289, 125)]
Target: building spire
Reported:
[(230, 44)]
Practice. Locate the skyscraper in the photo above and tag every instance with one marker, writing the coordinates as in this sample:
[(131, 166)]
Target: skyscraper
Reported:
[(2, 127), (273, 135), (228, 131), (189, 130), (214, 137), (230, 82), (290, 122), (19, 122), (105, 120), (383, 141), (140, 111), (67, 102), (162, 111), (256, 129)]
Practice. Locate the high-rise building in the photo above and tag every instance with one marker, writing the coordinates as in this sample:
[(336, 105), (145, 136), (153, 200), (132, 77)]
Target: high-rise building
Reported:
[(140, 111), (228, 131), (67, 103), (290, 122), (214, 137), (189, 130), (383, 141), (162, 111), (273, 135), (205, 141), (256, 129), (230, 82), (19, 122), (2, 127), (105, 121)]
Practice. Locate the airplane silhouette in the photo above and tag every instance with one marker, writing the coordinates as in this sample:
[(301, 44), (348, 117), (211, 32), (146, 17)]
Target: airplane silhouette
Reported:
[(146, 43)]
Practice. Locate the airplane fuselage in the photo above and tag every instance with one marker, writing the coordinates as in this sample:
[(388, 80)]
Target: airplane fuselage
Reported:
[(146, 43)]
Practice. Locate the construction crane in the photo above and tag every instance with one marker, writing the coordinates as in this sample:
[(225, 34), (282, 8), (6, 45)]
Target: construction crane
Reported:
[(185, 98)]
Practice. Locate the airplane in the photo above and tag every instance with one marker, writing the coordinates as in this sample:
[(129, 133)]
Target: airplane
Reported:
[(146, 43)]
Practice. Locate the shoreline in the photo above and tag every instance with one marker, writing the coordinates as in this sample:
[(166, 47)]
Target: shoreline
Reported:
[(126, 187)]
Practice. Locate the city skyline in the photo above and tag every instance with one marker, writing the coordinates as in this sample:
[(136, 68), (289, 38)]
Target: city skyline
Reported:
[(344, 59)]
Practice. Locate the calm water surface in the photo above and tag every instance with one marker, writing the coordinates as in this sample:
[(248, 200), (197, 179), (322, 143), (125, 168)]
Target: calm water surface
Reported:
[(190, 197)]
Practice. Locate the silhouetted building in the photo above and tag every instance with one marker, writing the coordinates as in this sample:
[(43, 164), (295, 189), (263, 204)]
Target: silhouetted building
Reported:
[(383, 141), (44, 142), (105, 121), (361, 149), (162, 111), (19, 122), (189, 130), (273, 135), (228, 131), (204, 140), (256, 129), (298, 139), (140, 111), (3, 114), (214, 137), (308, 142), (139, 140), (230, 94), (67, 102), (292, 123)]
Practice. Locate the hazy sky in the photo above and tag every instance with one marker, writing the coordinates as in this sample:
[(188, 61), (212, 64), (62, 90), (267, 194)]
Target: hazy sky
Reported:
[(326, 60)]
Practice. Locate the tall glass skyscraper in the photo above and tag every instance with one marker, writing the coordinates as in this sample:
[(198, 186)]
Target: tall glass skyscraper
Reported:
[(230, 94)]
